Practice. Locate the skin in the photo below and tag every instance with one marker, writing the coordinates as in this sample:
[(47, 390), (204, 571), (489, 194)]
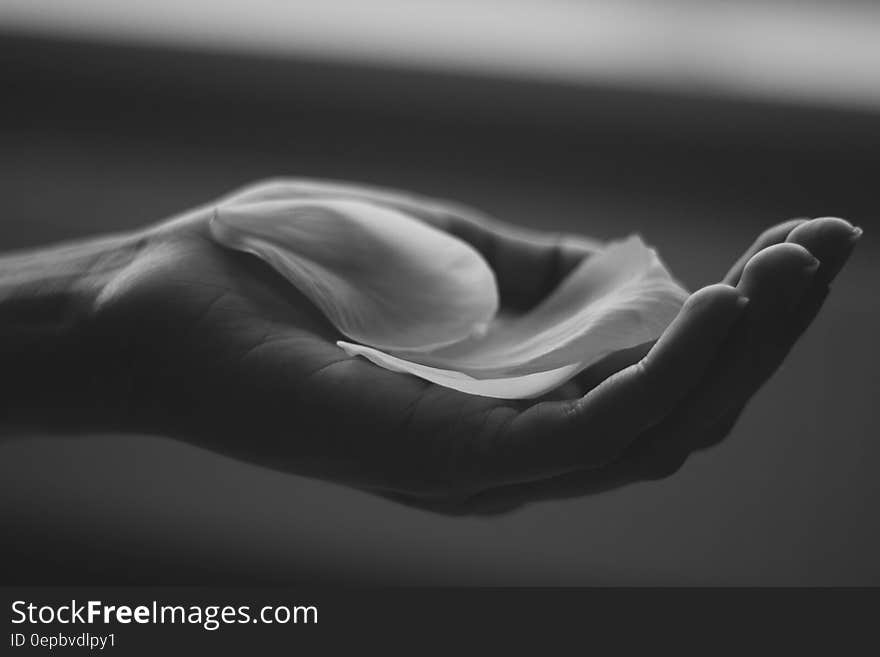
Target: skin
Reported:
[(164, 332)]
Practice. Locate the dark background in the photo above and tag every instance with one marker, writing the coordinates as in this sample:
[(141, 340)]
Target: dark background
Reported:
[(97, 138)]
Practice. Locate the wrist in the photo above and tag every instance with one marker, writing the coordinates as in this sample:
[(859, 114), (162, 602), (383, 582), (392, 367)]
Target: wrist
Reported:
[(58, 371)]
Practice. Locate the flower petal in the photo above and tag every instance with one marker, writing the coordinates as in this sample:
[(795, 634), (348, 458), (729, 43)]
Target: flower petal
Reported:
[(381, 277), (504, 387), (618, 298)]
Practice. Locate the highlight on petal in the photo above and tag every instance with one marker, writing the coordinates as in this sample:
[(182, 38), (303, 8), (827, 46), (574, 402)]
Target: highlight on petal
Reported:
[(617, 299), (504, 387), (381, 277)]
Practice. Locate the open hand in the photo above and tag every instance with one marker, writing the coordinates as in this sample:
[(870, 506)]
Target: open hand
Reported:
[(215, 348)]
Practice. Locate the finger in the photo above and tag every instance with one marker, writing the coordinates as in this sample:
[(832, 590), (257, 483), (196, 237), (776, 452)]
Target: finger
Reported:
[(773, 235), (829, 239), (775, 280), (555, 437), (832, 241), (662, 450), (528, 264), (609, 365)]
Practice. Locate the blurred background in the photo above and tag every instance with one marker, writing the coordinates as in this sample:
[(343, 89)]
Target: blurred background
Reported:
[(694, 122)]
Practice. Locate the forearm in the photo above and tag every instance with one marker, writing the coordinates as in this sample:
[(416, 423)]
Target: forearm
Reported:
[(58, 372)]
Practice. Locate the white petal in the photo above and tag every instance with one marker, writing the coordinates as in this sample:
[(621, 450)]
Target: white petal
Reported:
[(504, 387), (618, 298), (381, 277)]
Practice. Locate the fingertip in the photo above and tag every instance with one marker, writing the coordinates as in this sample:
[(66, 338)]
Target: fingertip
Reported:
[(722, 292), (777, 233), (832, 220), (715, 300), (785, 259), (772, 235), (830, 239), (823, 233), (705, 319), (782, 229)]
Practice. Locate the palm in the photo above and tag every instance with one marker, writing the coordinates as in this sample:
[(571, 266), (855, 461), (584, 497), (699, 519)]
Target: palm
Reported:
[(233, 358), (238, 360)]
